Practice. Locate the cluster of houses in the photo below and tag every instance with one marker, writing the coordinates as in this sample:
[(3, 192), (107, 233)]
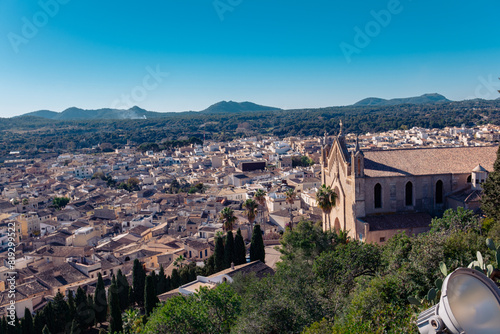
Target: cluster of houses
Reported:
[(104, 227)]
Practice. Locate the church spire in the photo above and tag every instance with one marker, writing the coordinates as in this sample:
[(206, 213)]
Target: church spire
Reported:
[(340, 132), (356, 149)]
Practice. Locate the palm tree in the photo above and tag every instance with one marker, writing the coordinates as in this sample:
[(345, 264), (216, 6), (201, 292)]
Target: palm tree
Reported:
[(326, 199), (178, 262), (290, 198), (250, 210), (228, 218), (260, 197)]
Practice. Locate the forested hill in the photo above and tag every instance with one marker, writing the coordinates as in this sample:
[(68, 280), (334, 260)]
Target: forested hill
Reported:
[(73, 113), (424, 99), (35, 133)]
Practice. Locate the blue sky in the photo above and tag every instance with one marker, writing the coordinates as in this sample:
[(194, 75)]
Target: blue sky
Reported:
[(55, 54)]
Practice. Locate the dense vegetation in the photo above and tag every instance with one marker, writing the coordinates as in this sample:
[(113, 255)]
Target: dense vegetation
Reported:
[(35, 135), (327, 283)]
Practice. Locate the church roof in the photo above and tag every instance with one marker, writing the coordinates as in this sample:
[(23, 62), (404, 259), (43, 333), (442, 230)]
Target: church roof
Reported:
[(398, 221), (428, 161)]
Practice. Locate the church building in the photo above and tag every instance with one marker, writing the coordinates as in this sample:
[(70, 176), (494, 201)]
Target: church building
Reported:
[(383, 192)]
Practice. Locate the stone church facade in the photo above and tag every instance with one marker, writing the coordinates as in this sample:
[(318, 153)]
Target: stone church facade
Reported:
[(383, 192)]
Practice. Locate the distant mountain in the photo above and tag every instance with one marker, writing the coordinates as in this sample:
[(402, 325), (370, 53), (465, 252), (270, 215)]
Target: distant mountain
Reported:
[(135, 112), (424, 99), (231, 106), (74, 113)]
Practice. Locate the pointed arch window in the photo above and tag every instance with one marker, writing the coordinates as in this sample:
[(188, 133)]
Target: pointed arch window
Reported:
[(409, 194), (439, 192), (378, 196)]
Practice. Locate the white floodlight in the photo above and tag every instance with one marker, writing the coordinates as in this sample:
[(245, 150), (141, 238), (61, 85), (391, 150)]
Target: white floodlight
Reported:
[(469, 304)]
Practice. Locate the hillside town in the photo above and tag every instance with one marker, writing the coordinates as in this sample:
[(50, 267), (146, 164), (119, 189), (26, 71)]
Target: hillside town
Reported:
[(158, 207)]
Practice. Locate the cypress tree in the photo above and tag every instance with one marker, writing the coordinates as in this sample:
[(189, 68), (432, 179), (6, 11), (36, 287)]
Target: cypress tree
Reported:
[(71, 305), (61, 313), (240, 250), (150, 299), (229, 250), (209, 267), (123, 290), (90, 302), (184, 273), (49, 316), (21, 329), (161, 287), (115, 320), (490, 200), (175, 279), (192, 271), (155, 278), (28, 322), (82, 316), (168, 284), (219, 254), (38, 323), (139, 281), (100, 302), (131, 300), (257, 251)]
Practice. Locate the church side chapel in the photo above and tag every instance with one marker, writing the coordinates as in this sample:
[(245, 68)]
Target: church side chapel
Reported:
[(383, 192)]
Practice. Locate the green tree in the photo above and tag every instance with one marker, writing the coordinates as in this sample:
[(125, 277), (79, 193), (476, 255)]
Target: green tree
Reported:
[(71, 305), (38, 322), (61, 313), (229, 250), (27, 327), (150, 299), (115, 313), (175, 278), (207, 311), (250, 210), (307, 239), (219, 254), (122, 290), (257, 250), (240, 250), (490, 200), (49, 317), (326, 199), (461, 219), (341, 266), (60, 202), (100, 301), (139, 282), (84, 314), (227, 218), (162, 281)]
